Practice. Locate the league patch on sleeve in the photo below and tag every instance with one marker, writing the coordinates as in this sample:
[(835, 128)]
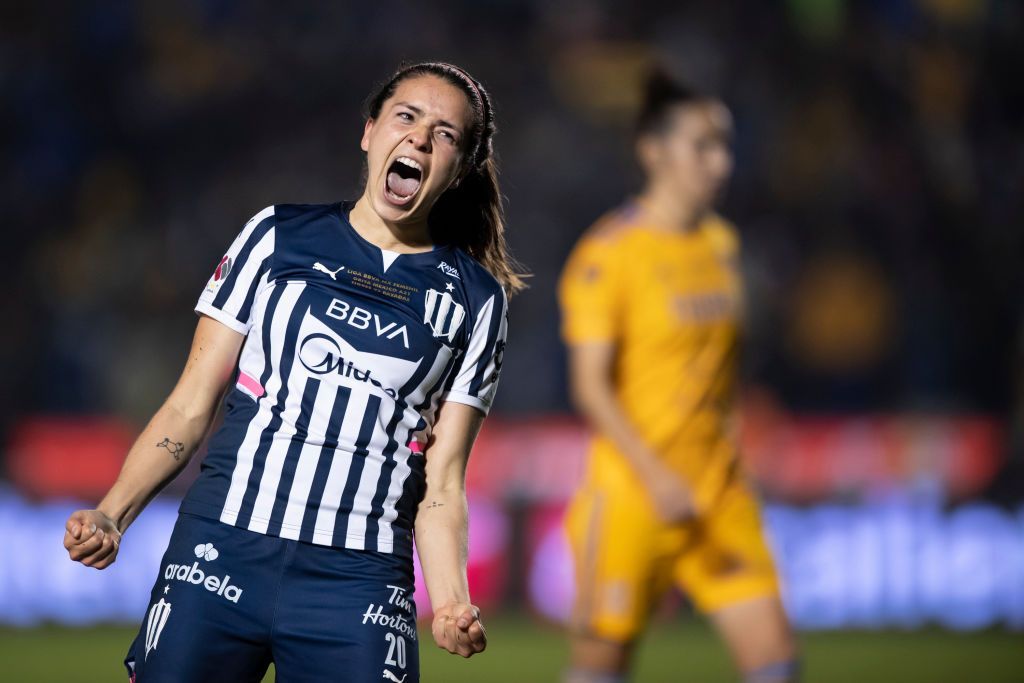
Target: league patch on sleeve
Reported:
[(220, 274)]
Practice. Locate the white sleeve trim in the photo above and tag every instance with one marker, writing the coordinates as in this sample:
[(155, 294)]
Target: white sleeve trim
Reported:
[(467, 399), (207, 308)]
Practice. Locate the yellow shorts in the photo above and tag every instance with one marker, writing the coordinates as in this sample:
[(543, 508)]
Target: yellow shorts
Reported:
[(626, 558)]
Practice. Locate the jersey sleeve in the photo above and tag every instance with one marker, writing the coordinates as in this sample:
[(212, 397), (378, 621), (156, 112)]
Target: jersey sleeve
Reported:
[(241, 272), (476, 374), (589, 292)]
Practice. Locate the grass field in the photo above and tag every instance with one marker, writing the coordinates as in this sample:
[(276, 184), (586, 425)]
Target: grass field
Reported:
[(524, 652)]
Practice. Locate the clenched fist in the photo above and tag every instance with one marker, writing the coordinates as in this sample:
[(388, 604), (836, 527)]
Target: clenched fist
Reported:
[(458, 629), (92, 538)]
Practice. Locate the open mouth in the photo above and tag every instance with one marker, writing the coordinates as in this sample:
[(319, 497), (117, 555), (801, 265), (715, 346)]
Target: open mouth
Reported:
[(404, 178)]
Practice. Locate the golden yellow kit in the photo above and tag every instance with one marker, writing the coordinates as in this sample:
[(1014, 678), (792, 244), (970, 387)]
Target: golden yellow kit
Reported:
[(670, 303)]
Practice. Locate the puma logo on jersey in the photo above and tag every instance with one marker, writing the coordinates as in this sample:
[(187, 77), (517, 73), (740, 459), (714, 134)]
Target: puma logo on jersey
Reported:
[(324, 269), (388, 676)]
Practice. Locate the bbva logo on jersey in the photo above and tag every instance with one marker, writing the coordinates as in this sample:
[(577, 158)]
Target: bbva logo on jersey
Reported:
[(442, 313)]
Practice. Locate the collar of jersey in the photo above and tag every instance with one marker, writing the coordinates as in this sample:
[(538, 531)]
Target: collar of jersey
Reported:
[(346, 206)]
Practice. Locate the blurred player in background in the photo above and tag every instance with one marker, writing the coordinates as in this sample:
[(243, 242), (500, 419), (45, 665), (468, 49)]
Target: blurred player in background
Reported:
[(651, 301), (361, 344)]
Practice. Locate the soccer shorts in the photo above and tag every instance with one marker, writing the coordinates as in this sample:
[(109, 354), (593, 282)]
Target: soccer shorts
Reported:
[(626, 558), (229, 601)]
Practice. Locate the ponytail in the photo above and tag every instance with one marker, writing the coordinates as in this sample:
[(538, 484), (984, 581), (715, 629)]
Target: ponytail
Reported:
[(471, 216)]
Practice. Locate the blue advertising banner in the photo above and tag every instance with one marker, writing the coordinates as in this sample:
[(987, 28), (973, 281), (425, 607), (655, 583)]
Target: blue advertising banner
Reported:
[(898, 563)]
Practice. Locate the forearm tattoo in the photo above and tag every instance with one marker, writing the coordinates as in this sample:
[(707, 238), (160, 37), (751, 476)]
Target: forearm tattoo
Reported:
[(435, 504), (175, 448)]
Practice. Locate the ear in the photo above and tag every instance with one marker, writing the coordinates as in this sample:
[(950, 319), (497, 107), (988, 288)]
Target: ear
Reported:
[(364, 144), (648, 153)]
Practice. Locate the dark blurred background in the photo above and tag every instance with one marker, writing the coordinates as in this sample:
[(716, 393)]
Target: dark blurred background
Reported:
[(878, 186), (879, 191)]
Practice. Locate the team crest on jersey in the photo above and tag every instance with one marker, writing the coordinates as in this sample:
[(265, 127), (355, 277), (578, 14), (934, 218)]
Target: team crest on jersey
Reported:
[(443, 314), (155, 623)]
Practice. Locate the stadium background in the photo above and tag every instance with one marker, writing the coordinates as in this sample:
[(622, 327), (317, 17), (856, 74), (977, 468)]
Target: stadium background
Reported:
[(878, 190)]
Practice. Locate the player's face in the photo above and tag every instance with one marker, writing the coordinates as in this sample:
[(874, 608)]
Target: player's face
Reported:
[(694, 154), (415, 147)]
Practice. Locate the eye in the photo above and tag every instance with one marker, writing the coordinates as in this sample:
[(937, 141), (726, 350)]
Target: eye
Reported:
[(405, 116), (448, 136)]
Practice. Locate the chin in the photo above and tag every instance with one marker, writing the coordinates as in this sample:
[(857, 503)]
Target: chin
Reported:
[(399, 214)]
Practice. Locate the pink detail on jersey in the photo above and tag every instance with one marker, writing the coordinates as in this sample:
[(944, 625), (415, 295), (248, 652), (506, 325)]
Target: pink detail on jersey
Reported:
[(250, 383), (415, 446)]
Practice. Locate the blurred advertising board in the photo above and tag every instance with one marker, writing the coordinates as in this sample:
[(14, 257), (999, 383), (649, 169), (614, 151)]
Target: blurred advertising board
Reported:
[(894, 553), (895, 563), (540, 459)]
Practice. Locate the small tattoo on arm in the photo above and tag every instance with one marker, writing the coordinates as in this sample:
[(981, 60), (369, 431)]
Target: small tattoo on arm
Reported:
[(175, 448), (435, 504)]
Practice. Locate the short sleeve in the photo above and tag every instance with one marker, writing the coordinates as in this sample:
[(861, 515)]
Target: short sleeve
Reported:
[(588, 292), (240, 273), (476, 374)]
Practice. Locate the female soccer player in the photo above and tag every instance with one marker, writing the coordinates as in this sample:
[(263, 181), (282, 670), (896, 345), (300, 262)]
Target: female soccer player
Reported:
[(363, 342), (651, 306)]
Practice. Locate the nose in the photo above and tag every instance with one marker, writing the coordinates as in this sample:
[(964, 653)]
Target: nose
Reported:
[(419, 137)]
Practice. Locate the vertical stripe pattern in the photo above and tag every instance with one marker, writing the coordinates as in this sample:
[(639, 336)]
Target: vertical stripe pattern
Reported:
[(337, 374)]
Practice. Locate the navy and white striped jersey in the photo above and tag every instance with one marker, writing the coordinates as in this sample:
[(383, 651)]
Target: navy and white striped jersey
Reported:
[(349, 350)]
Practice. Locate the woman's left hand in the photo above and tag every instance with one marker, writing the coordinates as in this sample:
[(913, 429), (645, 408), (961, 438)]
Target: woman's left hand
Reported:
[(458, 629)]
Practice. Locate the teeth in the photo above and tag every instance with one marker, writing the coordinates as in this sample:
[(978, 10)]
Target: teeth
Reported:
[(412, 163)]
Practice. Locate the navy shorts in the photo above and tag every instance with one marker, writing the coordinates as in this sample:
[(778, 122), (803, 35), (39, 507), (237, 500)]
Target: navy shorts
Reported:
[(228, 602)]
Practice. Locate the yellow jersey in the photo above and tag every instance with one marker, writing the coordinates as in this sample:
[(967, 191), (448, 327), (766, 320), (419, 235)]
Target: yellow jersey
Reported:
[(670, 302)]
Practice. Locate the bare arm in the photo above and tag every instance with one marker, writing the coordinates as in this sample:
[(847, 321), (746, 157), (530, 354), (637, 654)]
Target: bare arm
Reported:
[(593, 392), (442, 530), (162, 450)]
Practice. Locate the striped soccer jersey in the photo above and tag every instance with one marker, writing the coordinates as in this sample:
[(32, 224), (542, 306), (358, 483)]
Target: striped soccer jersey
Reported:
[(349, 350)]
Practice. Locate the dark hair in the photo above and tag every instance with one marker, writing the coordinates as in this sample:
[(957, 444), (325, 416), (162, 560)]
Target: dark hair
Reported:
[(661, 93), (468, 215)]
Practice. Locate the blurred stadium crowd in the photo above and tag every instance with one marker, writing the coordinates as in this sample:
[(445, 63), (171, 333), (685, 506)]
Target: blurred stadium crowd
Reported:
[(879, 188)]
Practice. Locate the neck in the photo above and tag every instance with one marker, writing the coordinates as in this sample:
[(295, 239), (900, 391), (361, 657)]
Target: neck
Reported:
[(389, 235), (671, 210)]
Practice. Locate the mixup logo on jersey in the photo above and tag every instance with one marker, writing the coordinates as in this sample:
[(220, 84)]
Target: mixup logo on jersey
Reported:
[(332, 358), (443, 314), (196, 576)]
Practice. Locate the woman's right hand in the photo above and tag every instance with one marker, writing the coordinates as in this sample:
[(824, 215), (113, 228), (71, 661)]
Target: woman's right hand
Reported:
[(672, 498), (91, 537)]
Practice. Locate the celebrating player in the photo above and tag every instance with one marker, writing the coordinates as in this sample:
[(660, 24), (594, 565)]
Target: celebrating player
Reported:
[(363, 343), (651, 304)]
